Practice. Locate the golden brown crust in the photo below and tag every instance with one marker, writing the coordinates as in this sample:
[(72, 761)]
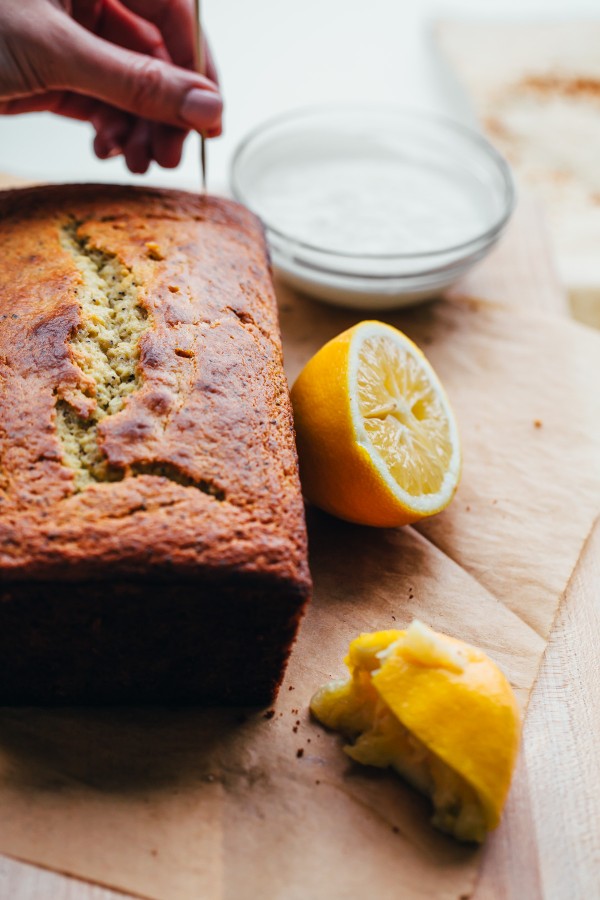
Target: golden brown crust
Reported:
[(212, 410)]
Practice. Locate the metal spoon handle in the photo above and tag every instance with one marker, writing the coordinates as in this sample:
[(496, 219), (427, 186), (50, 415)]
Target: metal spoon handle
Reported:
[(201, 63)]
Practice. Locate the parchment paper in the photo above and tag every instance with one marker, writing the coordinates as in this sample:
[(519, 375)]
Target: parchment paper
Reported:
[(227, 804), (526, 392)]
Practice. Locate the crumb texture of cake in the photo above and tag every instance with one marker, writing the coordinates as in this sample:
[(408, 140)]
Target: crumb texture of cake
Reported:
[(146, 435), (105, 347)]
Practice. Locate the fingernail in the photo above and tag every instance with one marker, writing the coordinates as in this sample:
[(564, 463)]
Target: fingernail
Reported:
[(201, 109), (114, 150)]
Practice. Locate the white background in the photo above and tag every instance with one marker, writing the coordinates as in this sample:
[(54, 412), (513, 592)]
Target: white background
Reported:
[(274, 55)]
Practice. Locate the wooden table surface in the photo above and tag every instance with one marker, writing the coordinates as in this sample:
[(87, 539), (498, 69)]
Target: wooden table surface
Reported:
[(548, 845)]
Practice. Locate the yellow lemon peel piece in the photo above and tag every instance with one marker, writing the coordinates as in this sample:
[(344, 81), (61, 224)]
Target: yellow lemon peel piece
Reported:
[(439, 712), (425, 646)]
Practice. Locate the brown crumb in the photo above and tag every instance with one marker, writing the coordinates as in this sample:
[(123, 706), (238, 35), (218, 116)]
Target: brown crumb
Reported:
[(291, 688), (294, 712), (154, 853), (300, 752), (317, 781), (297, 721), (269, 714), (154, 251), (394, 618), (537, 423), (295, 729), (395, 829), (174, 288)]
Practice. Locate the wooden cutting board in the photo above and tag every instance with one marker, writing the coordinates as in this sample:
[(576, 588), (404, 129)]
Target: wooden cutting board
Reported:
[(525, 855)]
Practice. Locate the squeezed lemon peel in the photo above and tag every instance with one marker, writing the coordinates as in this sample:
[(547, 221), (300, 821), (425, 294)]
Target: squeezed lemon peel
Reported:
[(439, 712)]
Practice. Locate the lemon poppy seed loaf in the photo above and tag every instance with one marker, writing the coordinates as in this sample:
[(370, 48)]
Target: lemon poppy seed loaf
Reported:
[(152, 536)]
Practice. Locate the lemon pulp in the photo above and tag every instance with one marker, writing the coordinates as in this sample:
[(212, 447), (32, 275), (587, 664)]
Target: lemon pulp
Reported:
[(403, 415)]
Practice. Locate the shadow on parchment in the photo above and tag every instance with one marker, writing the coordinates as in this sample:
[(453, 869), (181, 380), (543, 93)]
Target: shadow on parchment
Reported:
[(119, 750), (350, 562)]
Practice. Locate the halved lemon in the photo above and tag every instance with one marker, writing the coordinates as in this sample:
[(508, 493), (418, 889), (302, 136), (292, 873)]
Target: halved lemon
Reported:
[(377, 440), (437, 710)]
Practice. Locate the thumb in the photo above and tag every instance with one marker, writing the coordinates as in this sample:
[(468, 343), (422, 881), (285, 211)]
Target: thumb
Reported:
[(142, 85)]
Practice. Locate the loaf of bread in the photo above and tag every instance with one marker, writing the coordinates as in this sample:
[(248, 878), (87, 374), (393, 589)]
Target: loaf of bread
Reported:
[(152, 535)]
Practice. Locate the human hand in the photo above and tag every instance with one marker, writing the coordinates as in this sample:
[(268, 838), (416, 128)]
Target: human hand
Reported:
[(127, 66)]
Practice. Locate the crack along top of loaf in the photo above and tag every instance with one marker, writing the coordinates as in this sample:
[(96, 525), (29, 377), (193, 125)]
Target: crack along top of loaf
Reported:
[(182, 462)]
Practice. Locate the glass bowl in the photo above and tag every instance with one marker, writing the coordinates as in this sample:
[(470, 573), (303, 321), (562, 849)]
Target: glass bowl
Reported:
[(373, 207)]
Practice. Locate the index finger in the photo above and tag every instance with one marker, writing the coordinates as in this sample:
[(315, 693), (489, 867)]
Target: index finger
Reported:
[(175, 21)]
